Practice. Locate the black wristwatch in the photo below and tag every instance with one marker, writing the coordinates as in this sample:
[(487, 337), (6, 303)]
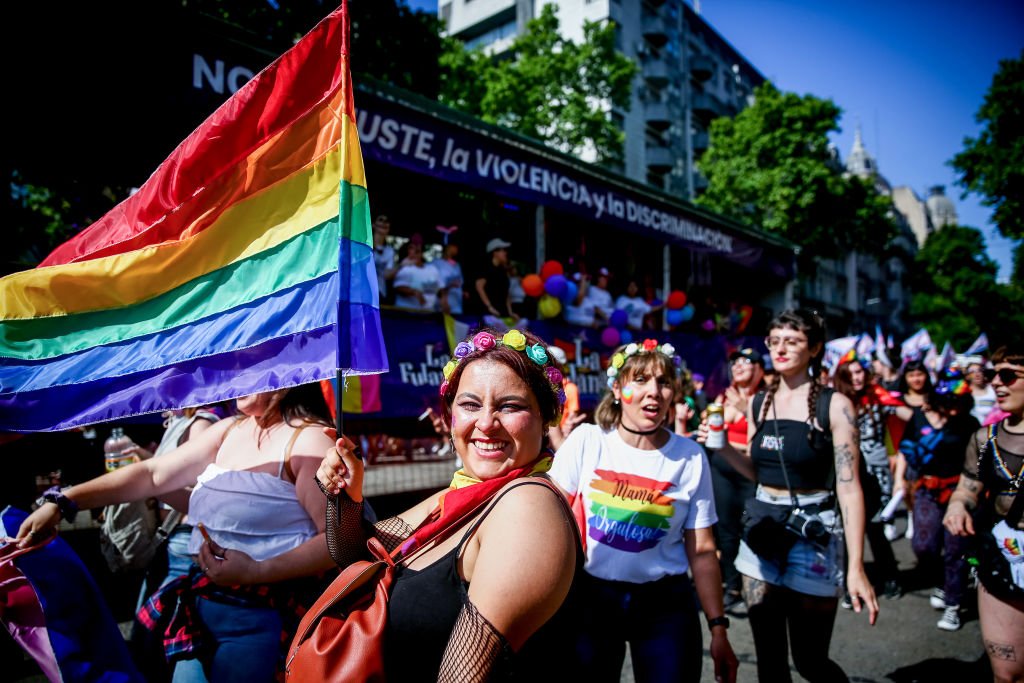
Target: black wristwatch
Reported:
[(718, 621), (67, 507)]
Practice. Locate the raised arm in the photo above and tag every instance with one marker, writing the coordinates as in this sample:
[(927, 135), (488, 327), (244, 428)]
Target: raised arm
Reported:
[(846, 442)]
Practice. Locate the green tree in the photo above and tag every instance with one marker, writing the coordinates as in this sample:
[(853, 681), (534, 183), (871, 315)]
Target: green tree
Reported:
[(771, 167), (955, 290), (992, 164), (545, 86)]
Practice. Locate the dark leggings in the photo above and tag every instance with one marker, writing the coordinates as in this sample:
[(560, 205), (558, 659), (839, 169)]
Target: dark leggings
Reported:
[(781, 619), (934, 546), (732, 490), (659, 621)]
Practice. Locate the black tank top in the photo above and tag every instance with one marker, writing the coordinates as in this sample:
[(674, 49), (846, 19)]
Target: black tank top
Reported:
[(425, 604), (808, 468)]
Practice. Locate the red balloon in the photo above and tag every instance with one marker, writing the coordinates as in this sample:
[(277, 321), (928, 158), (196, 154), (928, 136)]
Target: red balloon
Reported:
[(533, 285), (676, 300), (551, 268)]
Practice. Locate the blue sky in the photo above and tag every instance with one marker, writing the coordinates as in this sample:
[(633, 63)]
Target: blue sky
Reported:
[(912, 72)]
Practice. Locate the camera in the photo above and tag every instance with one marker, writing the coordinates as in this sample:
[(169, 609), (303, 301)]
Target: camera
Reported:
[(808, 526)]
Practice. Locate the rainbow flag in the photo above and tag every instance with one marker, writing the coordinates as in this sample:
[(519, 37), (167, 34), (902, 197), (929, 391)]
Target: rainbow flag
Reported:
[(243, 264)]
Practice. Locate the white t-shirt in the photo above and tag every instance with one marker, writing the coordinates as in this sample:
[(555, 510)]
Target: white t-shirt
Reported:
[(984, 404), (451, 279), (636, 307), (383, 259), (582, 314), (637, 502), (602, 300), (424, 278)]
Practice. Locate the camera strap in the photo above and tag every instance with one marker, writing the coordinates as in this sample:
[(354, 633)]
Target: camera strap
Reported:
[(782, 461)]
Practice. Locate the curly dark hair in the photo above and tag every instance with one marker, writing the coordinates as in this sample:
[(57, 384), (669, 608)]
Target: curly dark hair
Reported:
[(532, 372)]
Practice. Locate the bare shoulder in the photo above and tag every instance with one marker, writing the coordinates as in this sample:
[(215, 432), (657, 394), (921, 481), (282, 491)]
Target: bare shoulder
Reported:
[(841, 411), (528, 502)]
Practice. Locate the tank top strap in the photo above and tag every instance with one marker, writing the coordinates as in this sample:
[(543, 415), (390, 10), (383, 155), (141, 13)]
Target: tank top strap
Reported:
[(286, 454), (536, 481)]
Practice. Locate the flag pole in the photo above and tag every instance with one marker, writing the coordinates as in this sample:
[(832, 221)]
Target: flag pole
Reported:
[(344, 268)]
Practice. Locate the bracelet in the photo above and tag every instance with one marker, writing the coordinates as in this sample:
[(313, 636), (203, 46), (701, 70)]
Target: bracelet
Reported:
[(718, 621), (67, 507)]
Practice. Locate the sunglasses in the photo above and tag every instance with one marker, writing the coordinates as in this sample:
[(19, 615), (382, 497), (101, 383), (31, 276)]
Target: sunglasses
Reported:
[(1007, 375)]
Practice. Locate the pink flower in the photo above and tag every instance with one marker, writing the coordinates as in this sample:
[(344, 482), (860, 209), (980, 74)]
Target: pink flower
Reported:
[(444, 388), (484, 341), (554, 375)]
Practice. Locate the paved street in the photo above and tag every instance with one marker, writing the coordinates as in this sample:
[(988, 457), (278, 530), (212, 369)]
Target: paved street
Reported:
[(903, 646)]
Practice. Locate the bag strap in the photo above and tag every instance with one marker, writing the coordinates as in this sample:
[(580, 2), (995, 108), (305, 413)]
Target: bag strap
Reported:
[(757, 404), (821, 409)]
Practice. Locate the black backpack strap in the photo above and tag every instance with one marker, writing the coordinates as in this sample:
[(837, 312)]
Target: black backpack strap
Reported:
[(756, 405)]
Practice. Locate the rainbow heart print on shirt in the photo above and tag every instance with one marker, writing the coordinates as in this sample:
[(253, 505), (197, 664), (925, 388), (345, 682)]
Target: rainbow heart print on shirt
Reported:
[(628, 512)]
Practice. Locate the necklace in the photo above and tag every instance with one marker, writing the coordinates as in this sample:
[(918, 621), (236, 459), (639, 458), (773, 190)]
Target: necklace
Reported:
[(1000, 464), (641, 433)]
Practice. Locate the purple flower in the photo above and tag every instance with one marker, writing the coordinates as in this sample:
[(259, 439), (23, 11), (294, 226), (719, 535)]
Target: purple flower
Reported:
[(554, 375), (463, 349), (561, 396)]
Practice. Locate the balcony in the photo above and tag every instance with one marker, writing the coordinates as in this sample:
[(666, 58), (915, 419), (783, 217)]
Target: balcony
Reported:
[(705, 107), (654, 29), (655, 72), (659, 159), (657, 116), (702, 67), (700, 143)]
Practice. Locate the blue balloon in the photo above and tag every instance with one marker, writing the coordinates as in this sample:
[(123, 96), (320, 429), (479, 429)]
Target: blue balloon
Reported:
[(619, 318), (625, 337), (571, 290), (556, 286), (674, 317), (686, 312)]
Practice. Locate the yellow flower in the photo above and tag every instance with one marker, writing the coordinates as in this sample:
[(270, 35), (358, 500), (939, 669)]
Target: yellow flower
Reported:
[(514, 339), (618, 360), (449, 369)]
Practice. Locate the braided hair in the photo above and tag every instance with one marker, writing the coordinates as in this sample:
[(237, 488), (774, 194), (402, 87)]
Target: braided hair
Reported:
[(810, 323)]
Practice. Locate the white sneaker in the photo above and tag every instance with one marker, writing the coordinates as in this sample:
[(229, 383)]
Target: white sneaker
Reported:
[(890, 532), (910, 527), (950, 620), (937, 599)]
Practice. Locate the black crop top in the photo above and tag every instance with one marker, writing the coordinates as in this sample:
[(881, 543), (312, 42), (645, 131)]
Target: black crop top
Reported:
[(808, 468)]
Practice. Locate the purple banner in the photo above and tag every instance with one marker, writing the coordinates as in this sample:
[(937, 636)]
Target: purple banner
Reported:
[(399, 135)]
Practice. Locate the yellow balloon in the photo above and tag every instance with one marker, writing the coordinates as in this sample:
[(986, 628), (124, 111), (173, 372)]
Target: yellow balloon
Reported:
[(548, 306)]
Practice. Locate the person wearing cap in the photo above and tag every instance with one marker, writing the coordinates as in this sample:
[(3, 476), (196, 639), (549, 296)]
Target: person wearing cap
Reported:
[(600, 296), (492, 286), (732, 488), (452, 294), (417, 282), (383, 255)]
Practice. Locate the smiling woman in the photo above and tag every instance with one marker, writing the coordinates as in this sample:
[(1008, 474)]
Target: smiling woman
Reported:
[(462, 607), (649, 510)]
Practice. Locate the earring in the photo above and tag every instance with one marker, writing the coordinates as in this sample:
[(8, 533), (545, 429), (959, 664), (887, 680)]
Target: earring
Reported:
[(616, 401)]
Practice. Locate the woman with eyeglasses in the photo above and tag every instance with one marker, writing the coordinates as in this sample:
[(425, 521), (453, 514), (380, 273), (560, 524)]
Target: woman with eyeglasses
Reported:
[(988, 504), (790, 557)]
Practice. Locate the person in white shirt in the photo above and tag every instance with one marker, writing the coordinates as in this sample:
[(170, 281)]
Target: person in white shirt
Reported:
[(635, 307), (383, 255), (983, 393), (417, 282), (450, 272), (646, 500), (598, 293)]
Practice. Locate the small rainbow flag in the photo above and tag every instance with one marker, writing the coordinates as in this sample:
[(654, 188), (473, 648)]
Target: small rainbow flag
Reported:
[(243, 264)]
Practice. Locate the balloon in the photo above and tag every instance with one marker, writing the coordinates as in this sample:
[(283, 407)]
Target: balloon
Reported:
[(533, 285), (674, 317), (556, 286), (625, 337), (550, 268), (708, 325), (610, 336), (548, 306), (571, 290), (687, 312), (619, 318), (676, 300)]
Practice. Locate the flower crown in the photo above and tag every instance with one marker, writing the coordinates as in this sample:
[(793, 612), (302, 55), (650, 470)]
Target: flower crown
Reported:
[(617, 360), (513, 339)]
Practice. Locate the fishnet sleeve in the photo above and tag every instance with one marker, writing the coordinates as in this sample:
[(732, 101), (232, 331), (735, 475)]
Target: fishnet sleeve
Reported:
[(346, 537), (474, 650), (391, 532)]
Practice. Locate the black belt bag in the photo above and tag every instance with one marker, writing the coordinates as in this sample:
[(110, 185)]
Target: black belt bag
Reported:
[(771, 530)]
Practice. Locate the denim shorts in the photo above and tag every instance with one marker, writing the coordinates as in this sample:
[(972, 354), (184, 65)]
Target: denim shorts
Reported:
[(807, 569)]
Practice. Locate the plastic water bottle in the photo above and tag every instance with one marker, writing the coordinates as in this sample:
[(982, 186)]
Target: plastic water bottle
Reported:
[(113, 449)]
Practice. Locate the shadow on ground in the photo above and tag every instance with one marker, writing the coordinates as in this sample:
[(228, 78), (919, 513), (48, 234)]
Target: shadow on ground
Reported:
[(943, 669)]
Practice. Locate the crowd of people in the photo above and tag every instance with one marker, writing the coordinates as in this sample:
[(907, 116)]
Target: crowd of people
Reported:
[(561, 539)]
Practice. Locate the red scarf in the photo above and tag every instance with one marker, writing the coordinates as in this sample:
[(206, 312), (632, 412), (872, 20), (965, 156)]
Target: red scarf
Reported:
[(457, 503)]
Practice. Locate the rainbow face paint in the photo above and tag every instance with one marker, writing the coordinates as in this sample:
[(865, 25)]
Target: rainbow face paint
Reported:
[(627, 394)]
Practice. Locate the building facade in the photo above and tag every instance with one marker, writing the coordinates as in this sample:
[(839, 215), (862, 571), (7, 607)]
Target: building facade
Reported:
[(688, 74)]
